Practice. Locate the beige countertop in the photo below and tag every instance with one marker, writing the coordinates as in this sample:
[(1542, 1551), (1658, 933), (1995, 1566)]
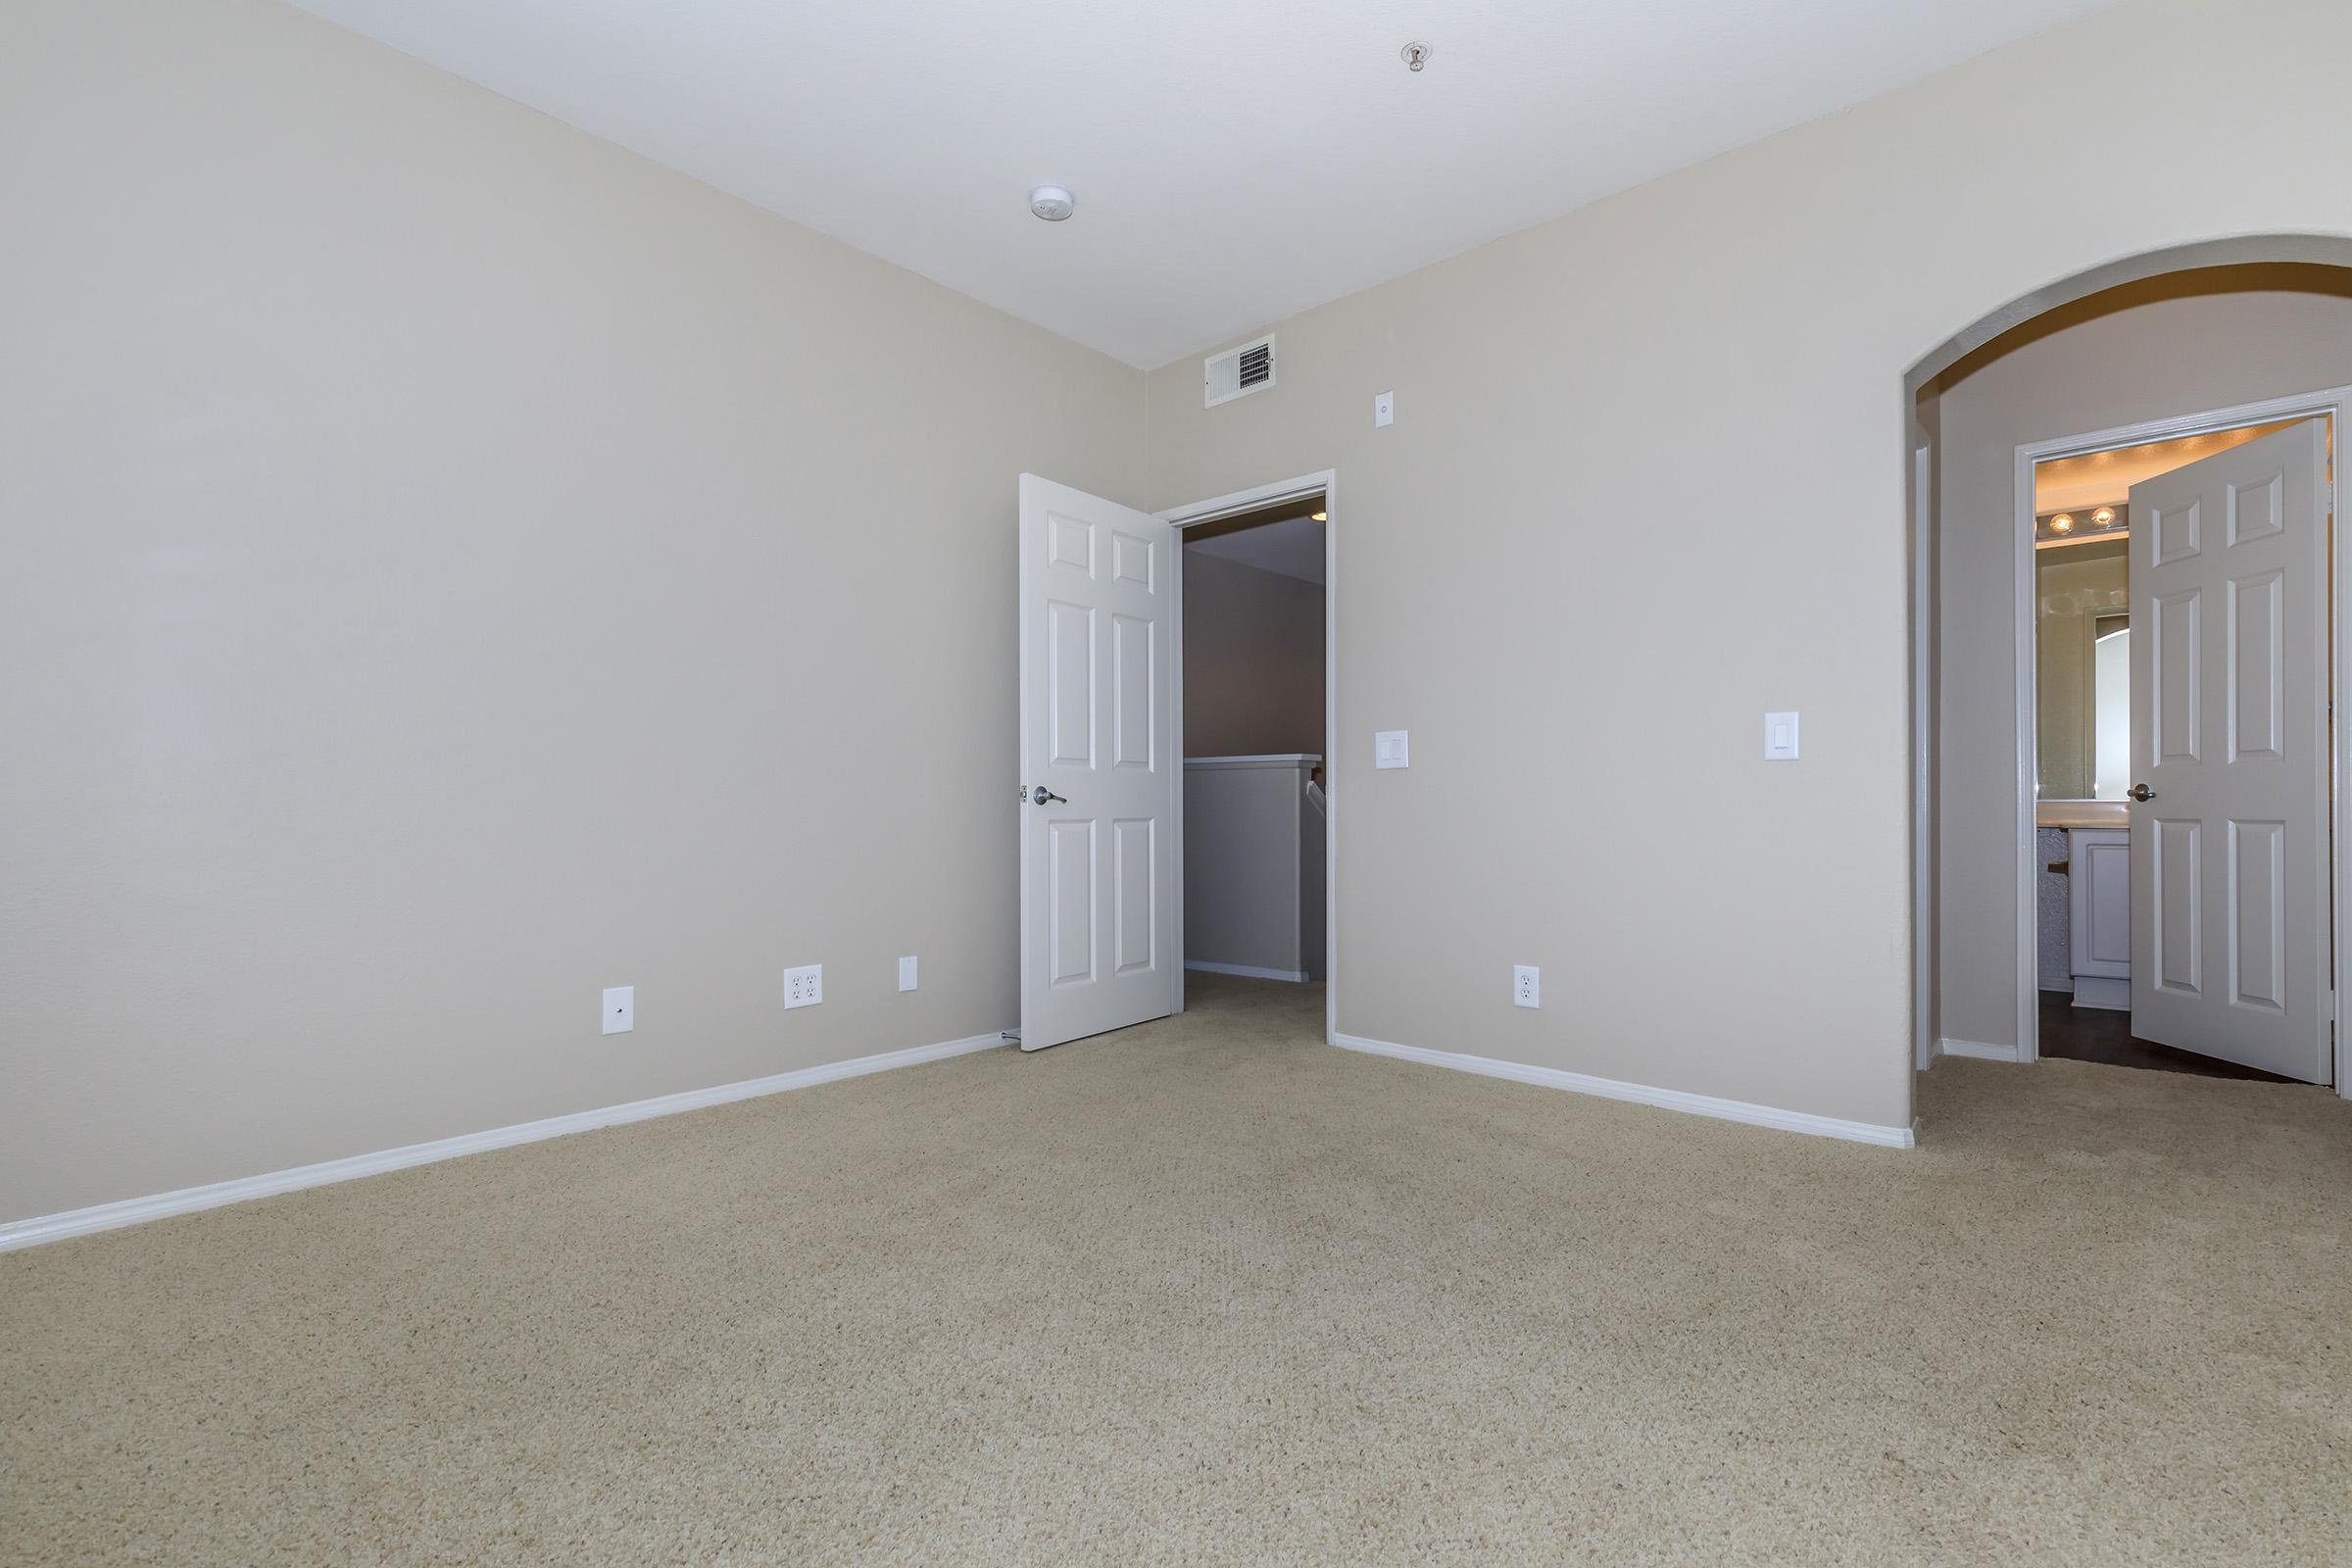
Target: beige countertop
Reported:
[(2083, 813)]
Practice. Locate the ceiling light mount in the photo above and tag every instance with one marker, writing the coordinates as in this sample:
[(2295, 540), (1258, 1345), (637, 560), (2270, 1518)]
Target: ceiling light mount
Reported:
[(1053, 203), (1415, 55)]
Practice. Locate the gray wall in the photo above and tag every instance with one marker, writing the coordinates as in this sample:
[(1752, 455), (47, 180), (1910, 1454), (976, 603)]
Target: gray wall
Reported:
[(1244, 872), (1252, 660), (2149, 361), (452, 565), (1684, 408)]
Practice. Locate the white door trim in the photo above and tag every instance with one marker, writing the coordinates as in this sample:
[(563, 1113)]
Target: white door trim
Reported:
[(1923, 884), (1325, 483), (2331, 403)]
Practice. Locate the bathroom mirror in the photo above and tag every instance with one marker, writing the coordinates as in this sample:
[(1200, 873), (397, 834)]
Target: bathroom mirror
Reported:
[(2082, 653)]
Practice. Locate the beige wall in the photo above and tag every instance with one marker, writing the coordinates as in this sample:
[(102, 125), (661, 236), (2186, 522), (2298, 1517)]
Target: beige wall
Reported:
[(1684, 408), (452, 565), (1252, 660), (2147, 360)]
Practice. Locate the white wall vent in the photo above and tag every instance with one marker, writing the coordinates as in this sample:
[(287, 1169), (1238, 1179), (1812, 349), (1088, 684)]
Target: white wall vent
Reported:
[(1238, 372)]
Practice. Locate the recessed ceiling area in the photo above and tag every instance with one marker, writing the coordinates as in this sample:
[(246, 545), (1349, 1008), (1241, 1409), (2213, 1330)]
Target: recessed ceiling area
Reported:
[(1233, 162), (2105, 479)]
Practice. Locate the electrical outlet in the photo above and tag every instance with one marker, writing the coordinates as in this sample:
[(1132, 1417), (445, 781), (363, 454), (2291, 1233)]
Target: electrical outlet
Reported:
[(1384, 411), (1527, 986), (621, 1009), (905, 974), (805, 987)]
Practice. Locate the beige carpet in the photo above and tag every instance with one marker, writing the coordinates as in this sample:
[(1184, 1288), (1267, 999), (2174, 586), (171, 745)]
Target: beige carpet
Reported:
[(1210, 1292)]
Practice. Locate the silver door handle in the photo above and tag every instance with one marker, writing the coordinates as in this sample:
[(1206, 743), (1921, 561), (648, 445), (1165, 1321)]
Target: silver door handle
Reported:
[(1041, 795), (2141, 791)]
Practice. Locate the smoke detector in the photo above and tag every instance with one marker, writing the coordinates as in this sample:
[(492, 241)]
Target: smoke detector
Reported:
[(1052, 203), (1415, 55)]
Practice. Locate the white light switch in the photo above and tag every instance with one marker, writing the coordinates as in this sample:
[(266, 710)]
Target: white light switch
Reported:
[(1384, 410), (1780, 737), (621, 1009), (1388, 749), (905, 974)]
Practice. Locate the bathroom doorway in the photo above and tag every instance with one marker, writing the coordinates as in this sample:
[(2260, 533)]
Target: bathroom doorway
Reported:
[(2178, 637)]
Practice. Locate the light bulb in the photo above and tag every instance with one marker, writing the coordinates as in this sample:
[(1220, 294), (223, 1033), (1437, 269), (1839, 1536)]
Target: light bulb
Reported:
[(2064, 522), (2104, 517)]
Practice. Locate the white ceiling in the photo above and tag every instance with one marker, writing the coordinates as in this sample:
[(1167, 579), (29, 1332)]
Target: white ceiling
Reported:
[(1293, 548), (1235, 160)]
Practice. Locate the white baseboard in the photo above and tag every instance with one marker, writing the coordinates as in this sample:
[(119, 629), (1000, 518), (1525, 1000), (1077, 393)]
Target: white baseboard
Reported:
[(1740, 1111), (1247, 971), (1981, 1050), (189, 1200), (2102, 990)]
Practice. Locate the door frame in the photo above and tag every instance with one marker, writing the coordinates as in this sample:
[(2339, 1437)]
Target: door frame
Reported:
[(2332, 404), (1325, 483)]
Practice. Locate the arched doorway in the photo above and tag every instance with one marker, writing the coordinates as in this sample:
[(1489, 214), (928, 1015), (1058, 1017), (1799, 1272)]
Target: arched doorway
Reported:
[(1979, 903)]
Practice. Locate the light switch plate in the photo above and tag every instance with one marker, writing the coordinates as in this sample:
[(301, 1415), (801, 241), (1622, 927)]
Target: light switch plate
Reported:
[(905, 974), (1388, 749), (1780, 737), (1384, 410), (621, 1009)]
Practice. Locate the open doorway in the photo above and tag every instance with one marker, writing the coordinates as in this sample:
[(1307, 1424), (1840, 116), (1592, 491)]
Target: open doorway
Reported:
[(1102, 743), (1255, 790), (1253, 690), (2178, 637)]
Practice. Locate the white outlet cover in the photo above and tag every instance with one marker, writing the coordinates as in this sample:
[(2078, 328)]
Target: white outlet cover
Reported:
[(905, 974), (1384, 411), (1390, 747), (621, 1009), (1527, 986), (805, 987)]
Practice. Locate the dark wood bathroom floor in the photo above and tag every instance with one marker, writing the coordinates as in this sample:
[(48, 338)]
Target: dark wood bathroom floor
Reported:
[(2101, 1033)]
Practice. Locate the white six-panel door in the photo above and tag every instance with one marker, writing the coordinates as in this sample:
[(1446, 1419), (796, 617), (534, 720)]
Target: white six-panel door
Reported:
[(2230, 922), (1098, 739)]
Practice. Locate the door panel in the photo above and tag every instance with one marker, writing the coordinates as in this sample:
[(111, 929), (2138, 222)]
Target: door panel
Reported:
[(1134, 876), (2257, 676), (2230, 936), (1098, 930), (1133, 670), (2175, 655), (2258, 915), (1070, 911)]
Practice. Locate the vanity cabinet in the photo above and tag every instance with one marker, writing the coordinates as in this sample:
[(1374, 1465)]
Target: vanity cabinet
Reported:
[(2099, 910)]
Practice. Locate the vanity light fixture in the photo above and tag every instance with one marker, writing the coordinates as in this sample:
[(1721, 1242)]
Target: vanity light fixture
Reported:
[(2064, 522), (2104, 517)]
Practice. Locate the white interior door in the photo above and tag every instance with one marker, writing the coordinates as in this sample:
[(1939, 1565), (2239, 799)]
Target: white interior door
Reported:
[(1098, 765), (2229, 926)]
